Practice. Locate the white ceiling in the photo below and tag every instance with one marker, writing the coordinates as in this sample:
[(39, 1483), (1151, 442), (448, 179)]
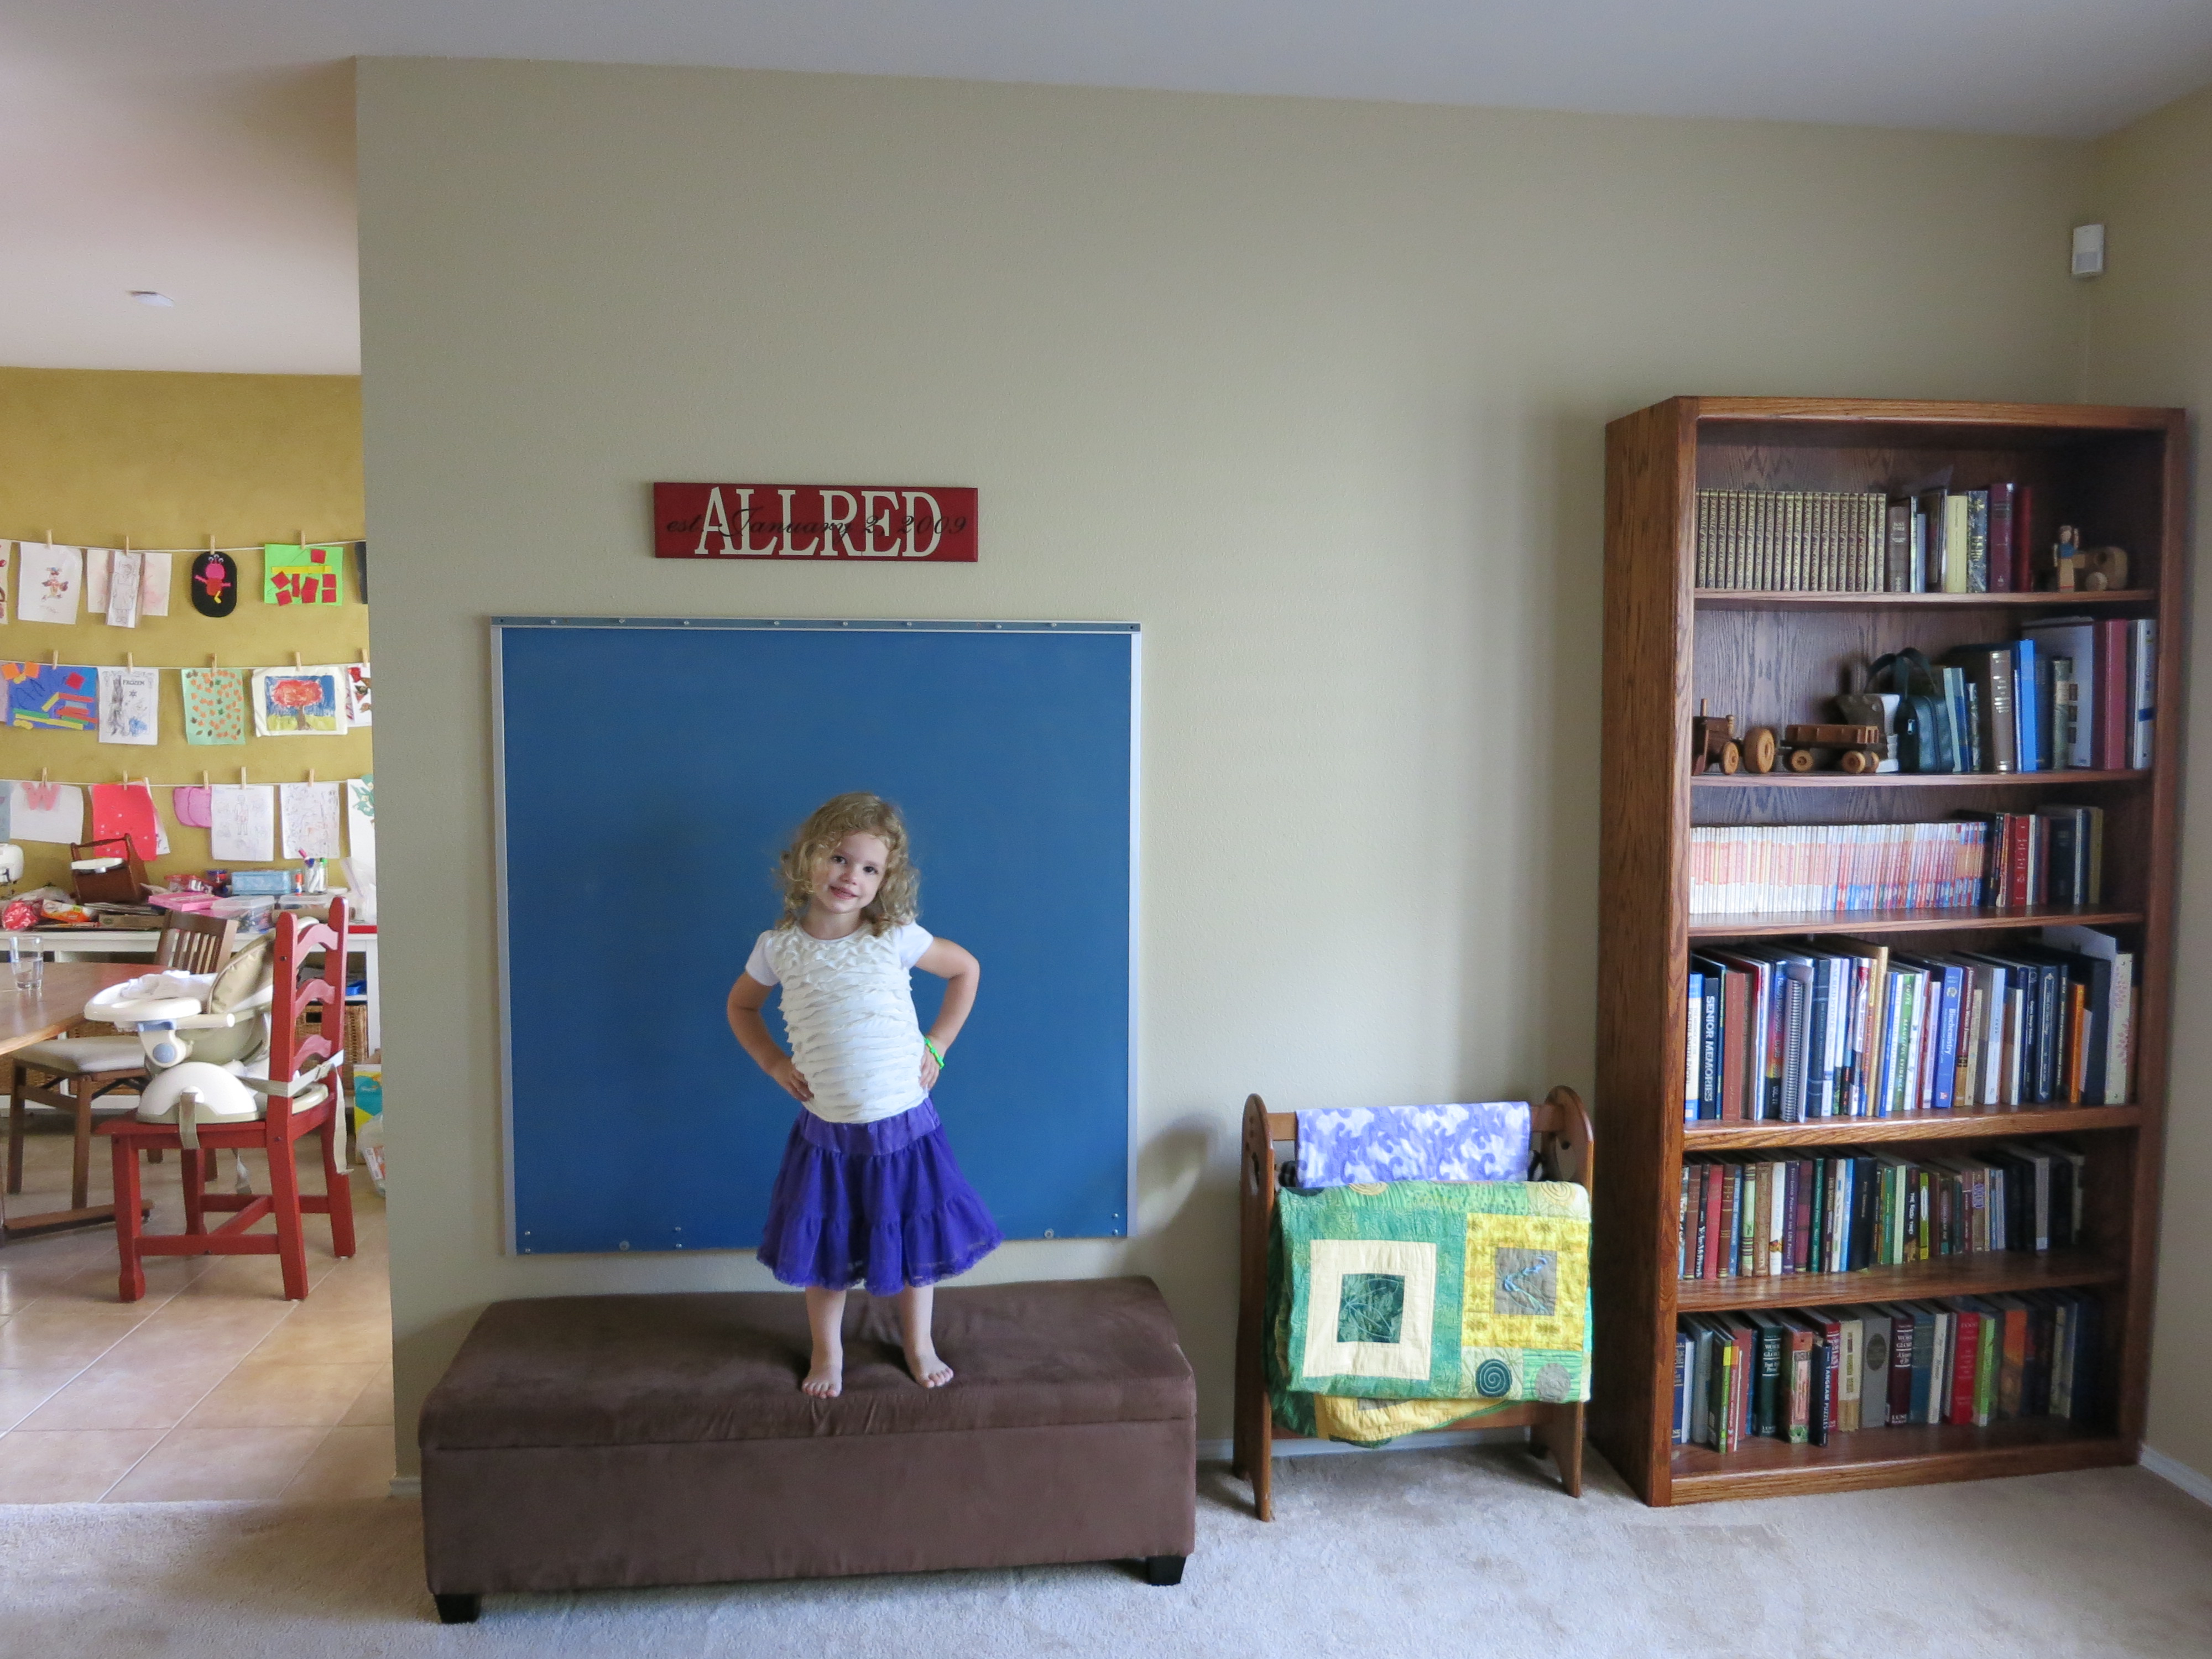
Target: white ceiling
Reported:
[(204, 148)]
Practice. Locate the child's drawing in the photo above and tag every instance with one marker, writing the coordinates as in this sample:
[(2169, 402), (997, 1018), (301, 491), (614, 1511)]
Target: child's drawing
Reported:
[(292, 574), (7, 553), (311, 820), (192, 804), (127, 809), (130, 705), (357, 705), (292, 703), (125, 580), (154, 588), (243, 829), (215, 705), (46, 812), (53, 578), (360, 818), (48, 697), (215, 584)]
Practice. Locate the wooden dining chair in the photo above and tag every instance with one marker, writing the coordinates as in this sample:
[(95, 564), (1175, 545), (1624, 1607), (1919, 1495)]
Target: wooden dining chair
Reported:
[(72, 1074), (299, 1101)]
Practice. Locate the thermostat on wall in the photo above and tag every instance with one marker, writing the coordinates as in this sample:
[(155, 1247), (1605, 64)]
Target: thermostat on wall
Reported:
[(2089, 250)]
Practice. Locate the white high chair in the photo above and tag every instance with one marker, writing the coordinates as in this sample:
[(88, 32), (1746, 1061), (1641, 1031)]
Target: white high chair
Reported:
[(76, 1074), (204, 1037)]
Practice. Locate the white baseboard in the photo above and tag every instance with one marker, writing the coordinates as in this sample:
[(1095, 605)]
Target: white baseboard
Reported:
[(1222, 1451), (2198, 1486), (406, 1485)]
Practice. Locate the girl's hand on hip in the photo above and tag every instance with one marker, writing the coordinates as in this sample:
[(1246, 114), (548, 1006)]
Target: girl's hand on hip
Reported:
[(790, 1079), (929, 1069)]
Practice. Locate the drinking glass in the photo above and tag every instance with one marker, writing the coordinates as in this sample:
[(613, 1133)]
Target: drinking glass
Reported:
[(26, 961)]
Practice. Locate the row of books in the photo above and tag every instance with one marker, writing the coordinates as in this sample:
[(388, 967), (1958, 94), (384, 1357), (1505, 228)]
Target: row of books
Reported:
[(2072, 692), (1753, 1217), (1934, 541), (1792, 540), (1996, 861), (1797, 1031), (1810, 1373)]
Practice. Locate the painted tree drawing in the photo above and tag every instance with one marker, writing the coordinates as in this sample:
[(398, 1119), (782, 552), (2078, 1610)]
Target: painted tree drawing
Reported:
[(296, 702)]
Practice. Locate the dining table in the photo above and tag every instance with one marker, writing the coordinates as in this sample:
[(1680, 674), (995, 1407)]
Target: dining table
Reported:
[(41, 1016)]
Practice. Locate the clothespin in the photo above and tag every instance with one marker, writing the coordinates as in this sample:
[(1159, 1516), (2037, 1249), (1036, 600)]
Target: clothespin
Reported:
[(129, 661), (53, 657), (363, 655), (204, 780), (295, 659), (213, 661), (42, 774), (241, 777), (310, 775)]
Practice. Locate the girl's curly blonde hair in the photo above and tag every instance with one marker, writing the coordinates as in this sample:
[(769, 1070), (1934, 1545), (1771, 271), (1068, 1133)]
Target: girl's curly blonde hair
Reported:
[(897, 901)]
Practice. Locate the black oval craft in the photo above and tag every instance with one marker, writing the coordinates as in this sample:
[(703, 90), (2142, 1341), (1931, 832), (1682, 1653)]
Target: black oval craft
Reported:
[(215, 584)]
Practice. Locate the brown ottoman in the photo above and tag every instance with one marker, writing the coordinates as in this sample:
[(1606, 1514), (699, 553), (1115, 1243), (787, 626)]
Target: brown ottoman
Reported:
[(585, 1442)]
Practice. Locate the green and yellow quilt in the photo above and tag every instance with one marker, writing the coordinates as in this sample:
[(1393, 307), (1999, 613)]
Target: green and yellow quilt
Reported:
[(1416, 1303)]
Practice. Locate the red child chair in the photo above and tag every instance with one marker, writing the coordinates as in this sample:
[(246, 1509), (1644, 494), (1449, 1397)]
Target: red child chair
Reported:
[(299, 1103)]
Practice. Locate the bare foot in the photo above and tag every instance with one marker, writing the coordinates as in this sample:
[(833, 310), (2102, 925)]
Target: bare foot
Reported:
[(825, 1379), (928, 1370)]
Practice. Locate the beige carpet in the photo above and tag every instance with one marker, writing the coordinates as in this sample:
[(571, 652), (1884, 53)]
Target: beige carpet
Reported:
[(1435, 1553)]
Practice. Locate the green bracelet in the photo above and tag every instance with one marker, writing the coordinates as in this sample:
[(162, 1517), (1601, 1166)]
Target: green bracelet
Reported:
[(935, 1053)]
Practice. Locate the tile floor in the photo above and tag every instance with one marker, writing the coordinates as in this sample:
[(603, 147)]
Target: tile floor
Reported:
[(212, 1386)]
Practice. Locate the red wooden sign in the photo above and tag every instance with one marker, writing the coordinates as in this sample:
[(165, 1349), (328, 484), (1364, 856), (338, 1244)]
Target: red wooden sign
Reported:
[(813, 521)]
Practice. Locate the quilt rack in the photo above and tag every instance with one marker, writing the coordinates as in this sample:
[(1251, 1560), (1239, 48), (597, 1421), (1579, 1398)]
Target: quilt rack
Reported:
[(1560, 1145)]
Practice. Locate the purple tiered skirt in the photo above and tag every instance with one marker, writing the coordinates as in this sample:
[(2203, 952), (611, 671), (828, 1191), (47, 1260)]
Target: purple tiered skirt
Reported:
[(880, 1204)]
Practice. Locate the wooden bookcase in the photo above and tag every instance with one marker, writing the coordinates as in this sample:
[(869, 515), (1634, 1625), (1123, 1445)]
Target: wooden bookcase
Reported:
[(1771, 657)]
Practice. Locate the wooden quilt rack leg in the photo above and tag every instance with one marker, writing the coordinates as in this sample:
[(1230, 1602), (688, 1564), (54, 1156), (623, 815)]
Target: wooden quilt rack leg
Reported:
[(1255, 1422), (1560, 1433)]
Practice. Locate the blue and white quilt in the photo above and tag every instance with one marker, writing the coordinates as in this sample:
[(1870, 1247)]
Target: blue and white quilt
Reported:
[(1487, 1140)]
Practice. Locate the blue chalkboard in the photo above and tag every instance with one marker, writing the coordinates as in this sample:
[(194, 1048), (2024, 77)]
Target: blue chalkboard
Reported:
[(651, 771)]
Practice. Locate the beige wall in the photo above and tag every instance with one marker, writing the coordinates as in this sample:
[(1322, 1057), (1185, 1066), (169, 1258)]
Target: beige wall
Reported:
[(1313, 391), (2150, 342)]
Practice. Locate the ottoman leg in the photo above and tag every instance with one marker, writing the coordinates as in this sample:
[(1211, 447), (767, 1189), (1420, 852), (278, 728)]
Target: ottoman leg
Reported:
[(1163, 1568), (460, 1609)]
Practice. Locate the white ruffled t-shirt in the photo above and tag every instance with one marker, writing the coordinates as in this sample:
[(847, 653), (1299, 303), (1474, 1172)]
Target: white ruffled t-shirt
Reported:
[(849, 1012)]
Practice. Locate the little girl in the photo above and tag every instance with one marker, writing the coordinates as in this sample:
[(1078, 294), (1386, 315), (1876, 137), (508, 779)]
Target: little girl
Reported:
[(868, 1192)]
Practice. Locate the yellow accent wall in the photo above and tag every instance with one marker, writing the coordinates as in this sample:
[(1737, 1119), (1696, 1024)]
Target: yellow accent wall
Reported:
[(166, 460)]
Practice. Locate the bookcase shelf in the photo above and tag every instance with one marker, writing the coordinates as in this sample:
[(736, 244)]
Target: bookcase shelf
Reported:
[(1720, 1136), (1730, 598), (1773, 658), (1903, 1455), (2070, 778), (1986, 1272), (1771, 924)]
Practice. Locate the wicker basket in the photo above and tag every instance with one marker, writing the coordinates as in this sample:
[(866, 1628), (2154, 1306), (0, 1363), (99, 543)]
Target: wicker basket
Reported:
[(355, 1046)]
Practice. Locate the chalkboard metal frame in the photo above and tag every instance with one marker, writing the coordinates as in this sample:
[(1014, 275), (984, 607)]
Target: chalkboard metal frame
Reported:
[(500, 625)]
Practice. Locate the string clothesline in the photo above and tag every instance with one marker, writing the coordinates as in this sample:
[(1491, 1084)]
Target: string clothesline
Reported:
[(298, 664), (132, 547), (205, 781)]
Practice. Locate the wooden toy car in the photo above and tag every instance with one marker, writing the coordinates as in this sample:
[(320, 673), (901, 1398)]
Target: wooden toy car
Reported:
[(1712, 742), (1858, 747)]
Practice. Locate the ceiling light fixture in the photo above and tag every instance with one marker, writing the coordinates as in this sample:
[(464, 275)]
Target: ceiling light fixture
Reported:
[(147, 296)]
